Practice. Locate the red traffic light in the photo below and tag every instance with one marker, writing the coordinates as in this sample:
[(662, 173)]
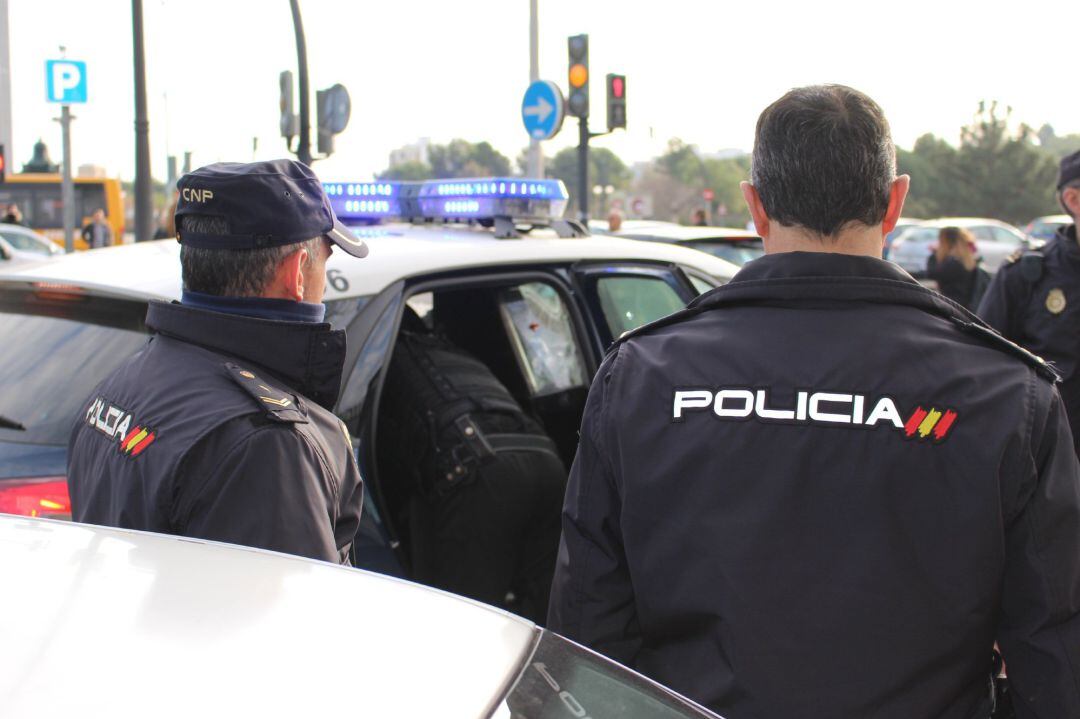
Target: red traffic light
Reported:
[(618, 86)]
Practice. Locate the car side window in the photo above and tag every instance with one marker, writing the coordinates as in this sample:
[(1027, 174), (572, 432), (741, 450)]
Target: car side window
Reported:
[(27, 244), (564, 680), (629, 301), (542, 335), (1003, 235), (983, 232)]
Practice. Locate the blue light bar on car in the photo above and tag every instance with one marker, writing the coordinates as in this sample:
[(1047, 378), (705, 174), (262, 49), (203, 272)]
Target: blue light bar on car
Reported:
[(467, 199), (364, 200), (487, 198)]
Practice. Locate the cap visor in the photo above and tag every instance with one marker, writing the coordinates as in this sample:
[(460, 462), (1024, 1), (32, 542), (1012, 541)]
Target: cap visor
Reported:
[(341, 236)]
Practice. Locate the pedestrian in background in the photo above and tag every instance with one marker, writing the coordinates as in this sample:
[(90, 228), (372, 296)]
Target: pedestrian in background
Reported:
[(699, 218), (222, 427), (13, 216), (97, 232), (614, 221), (820, 491), (1034, 300), (955, 268)]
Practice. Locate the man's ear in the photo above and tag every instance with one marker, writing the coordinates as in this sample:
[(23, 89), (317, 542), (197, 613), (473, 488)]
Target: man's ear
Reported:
[(757, 210), (288, 282), (897, 194), (1070, 200)]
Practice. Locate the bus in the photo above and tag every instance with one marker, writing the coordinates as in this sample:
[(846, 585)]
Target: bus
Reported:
[(38, 197)]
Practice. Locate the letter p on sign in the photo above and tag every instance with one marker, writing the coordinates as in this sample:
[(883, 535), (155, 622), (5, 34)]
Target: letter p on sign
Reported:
[(65, 81)]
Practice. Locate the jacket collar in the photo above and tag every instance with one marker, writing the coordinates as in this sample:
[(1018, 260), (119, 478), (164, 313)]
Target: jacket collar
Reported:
[(786, 265), (797, 276), (309, 357)]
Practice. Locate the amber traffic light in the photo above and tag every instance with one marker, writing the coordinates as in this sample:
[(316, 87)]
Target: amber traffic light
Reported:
[(578, 75)]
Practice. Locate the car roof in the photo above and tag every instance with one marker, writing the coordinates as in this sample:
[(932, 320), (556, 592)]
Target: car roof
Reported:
[(131, 624), (688, 233), (1063, 219), (965, 222), (150, 270)]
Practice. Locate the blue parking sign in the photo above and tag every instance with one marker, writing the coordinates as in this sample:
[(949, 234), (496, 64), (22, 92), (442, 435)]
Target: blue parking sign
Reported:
[(65, 81)]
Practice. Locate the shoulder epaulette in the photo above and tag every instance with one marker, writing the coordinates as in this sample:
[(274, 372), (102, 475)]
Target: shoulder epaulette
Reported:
[(1041, 367), (277, 404), (1029, 262)]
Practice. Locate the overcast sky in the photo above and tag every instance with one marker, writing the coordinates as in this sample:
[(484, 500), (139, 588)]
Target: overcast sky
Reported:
[(701, 71)]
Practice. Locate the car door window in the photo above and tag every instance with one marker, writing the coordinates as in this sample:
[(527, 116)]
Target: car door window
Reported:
[(541, 332), (629, 301), (983, 232), (25, 243), (562, 680)]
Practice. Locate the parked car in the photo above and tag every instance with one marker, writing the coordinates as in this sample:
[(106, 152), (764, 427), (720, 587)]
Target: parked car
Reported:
[(122, 624), (902, 224), (1044, 228), (728, 243), (538, 308), (994, 242), (18, 244)]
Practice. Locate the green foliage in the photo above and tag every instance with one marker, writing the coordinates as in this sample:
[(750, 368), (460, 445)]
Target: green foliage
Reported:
[(996, 172), (692, 175), (458, 158), (605, 168), (1057, 147), (406, 172), (461, 158)]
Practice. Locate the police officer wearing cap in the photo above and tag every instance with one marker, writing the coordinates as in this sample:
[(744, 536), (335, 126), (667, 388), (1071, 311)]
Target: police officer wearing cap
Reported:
[(1035, 298), (221, 427), (823, 490)]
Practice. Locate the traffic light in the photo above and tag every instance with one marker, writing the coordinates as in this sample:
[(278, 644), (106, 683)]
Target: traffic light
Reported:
[(616, 101), (289, 120), (333, 108), (3, 163), (578, 101)]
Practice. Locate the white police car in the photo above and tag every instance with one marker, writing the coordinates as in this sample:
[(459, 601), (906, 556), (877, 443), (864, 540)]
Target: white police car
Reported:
[(112, 623), (532, 296)]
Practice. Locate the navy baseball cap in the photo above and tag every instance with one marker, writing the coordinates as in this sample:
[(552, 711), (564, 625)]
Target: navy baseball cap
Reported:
[(265, 204), (1069, 170)]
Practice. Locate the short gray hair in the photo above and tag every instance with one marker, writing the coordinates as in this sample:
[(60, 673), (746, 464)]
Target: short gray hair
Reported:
[(231, 273)]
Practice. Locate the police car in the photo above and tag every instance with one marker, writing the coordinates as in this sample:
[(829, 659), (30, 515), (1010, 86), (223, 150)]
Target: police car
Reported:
[(115, 623), (490, 262)]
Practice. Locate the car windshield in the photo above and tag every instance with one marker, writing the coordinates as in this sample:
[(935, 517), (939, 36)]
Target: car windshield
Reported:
[(738, 253), (53, 352)]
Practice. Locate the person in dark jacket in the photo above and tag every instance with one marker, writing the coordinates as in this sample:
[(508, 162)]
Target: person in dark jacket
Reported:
[(822, 490), (954, 266), (221, 427), (97, 233), (1034, 299)]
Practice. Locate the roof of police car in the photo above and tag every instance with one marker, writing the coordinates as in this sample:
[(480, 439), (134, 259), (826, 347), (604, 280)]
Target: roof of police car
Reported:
[(398, 251)]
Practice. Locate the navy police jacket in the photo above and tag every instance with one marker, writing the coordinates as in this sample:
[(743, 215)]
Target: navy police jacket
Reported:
[(220, 428), (1035, 301), (825, 491)]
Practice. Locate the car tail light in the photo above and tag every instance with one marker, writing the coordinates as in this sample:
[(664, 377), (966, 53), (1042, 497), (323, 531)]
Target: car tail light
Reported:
[(36, 497)]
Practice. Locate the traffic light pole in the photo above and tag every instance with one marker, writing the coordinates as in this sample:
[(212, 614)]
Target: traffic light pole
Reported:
[(144, 201), (303, 148), (583, 166), (583, 169)]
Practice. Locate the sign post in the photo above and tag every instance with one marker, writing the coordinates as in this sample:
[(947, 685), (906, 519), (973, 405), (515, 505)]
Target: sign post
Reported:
[(65, 83)]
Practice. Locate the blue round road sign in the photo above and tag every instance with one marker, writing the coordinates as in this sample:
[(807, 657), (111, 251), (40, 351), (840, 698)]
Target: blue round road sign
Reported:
[(542, 110)]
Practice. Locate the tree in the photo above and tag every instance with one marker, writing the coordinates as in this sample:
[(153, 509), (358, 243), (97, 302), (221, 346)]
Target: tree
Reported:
[(458, 158), (461, 158), (1057, 147), (407, 171), (605, 168)]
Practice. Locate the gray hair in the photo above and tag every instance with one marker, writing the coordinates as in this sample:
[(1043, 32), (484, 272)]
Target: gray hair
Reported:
[(824, 158), (227, 272)]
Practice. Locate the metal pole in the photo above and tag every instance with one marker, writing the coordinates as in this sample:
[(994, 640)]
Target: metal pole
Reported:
[(144, 201), (303, 149), (536, 156), (67, 186), (583, 168), (5, 86)]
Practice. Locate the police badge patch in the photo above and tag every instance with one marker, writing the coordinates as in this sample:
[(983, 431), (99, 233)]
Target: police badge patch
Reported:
[(1055, 301)]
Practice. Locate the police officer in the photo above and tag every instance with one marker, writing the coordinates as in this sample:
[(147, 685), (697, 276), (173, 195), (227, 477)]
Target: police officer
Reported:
[(221, 428), (823, 490), (1035, 298)]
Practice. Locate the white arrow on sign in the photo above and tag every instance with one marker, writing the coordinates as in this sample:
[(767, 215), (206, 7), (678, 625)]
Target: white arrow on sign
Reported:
[(541, 110)]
